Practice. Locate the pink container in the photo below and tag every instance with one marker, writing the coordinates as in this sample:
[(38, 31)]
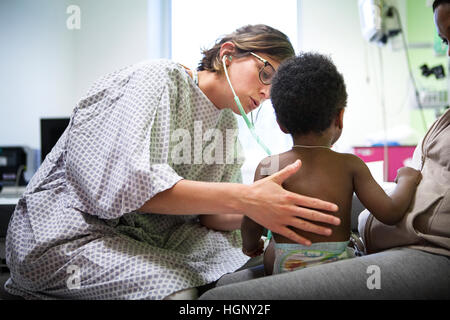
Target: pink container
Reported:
[(397, 157)]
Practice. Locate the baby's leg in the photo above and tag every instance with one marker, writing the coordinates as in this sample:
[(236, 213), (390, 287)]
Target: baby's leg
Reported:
[(269, 258)]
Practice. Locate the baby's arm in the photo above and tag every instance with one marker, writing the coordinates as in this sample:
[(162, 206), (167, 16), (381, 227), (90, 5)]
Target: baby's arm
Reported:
[(221, 222), (387, 209), (252, 244)]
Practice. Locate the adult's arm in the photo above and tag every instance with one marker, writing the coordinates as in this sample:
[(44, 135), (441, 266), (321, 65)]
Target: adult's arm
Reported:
[(265, 202)]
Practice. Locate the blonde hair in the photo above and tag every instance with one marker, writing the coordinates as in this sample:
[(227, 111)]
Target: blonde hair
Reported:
[(256, 38)]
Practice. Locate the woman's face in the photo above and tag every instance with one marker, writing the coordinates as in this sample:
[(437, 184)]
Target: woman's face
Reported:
[(244, 76), (442, 21)]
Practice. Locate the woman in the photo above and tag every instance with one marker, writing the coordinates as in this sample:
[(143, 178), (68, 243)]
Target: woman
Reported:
[(113, 212)]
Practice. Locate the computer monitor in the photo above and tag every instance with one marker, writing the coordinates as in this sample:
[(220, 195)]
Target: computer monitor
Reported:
[(51, 131)]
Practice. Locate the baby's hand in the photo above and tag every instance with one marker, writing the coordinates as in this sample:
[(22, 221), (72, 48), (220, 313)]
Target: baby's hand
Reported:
[(256, 252), (409, 173)]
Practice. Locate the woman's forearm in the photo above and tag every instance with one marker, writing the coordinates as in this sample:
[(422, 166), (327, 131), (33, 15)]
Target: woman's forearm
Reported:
[(212, 201), (195, 197)]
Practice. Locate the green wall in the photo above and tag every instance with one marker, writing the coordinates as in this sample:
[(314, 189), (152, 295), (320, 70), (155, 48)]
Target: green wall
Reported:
[(421, 30)]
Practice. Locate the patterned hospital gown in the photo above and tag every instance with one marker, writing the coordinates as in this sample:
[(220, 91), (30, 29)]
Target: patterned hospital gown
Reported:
[(76, 232)]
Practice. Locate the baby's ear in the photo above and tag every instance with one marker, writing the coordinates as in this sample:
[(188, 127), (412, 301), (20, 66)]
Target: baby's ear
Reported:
[(282, 128), (340, 119)]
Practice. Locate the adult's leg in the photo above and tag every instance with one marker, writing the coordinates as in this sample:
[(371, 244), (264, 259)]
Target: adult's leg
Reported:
[(251, 270), (400, 273)]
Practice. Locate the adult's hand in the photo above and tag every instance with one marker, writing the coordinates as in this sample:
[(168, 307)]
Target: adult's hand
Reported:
[(275, 208)]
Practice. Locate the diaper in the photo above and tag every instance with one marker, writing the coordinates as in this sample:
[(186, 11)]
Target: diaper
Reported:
[(293, 256)]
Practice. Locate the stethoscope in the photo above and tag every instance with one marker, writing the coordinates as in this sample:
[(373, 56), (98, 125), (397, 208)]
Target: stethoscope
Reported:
[(249, 124)]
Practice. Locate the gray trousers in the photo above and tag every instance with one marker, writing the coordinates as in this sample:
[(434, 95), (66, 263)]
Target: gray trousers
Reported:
[(399, 273)]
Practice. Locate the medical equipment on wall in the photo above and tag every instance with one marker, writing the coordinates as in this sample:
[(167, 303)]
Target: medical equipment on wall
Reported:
[(371, 22), (437, 71), (375, 25), (378, 25), (373, 15)]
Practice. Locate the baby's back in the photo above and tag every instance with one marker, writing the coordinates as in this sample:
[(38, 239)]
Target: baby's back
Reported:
[(326, 175)]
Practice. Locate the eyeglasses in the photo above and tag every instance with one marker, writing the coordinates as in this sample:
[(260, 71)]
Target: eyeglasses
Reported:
[(267, 72)]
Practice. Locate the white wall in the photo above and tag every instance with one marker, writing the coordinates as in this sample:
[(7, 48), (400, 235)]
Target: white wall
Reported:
[(36, 69), (46, 68), (113, 34)]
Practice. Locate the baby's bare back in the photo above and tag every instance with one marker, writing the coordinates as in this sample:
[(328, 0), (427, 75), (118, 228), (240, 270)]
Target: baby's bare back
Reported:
[(325, 175)]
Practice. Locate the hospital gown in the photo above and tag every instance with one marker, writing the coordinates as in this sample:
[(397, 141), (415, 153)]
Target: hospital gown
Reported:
[(76, 232)]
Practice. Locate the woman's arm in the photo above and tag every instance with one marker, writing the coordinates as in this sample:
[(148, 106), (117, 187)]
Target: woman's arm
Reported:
[(265, 202)]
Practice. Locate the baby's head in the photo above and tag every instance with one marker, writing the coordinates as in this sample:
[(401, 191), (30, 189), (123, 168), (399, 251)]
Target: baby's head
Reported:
[(308, 95)]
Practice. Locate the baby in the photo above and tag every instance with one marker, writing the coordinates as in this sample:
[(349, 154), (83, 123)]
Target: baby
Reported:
[(309, 97)]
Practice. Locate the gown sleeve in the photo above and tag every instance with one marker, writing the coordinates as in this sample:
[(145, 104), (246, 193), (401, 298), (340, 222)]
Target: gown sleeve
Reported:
[(117, 154)]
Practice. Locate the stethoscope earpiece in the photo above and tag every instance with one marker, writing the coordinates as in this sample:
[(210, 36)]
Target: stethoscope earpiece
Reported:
[(225, 58)]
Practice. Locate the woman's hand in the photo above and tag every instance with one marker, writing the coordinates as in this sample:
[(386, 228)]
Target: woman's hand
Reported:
[(268, 204)]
